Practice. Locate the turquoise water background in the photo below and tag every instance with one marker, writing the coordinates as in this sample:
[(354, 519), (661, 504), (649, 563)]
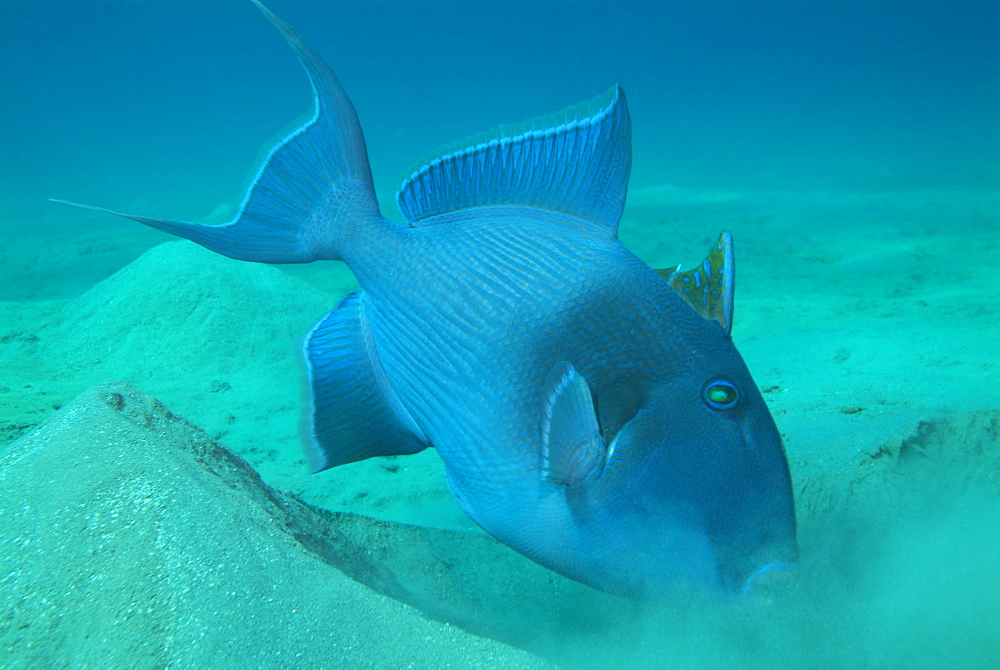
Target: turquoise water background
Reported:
[(852, 147), (167, 103)]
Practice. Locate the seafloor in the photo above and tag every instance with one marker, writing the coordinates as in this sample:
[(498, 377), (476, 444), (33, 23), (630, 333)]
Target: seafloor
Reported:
[(870, 319)]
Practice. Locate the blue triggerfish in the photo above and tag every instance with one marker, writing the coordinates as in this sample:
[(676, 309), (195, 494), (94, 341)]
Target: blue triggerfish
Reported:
[(591, 413)]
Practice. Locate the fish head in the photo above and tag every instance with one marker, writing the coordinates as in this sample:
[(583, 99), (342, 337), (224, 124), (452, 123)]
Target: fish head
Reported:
[(695, 488)]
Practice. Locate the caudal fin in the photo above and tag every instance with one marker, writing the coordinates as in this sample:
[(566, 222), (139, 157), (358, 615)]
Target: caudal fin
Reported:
[(313, 190)]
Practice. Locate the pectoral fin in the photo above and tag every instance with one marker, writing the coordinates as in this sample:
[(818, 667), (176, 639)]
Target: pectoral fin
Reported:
[(573, 450)]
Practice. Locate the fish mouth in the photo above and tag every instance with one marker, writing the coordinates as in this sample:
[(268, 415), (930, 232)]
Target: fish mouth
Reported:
[(767, 580)]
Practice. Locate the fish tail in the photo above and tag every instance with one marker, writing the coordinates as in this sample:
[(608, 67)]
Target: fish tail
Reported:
[(311, 194)]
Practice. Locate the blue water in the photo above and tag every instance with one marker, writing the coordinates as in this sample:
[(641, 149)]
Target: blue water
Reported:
[(167, 103), (852, 147)]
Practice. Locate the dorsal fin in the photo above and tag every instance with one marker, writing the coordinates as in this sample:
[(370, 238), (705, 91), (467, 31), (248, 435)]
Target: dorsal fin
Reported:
[(709, 287), (576, 162)]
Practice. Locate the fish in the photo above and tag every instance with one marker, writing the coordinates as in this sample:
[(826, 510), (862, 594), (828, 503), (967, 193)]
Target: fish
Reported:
[(591, 413)]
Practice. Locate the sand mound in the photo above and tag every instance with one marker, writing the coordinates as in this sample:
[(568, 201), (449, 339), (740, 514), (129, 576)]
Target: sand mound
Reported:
[(219, 341), (133, 317), (135, 541)]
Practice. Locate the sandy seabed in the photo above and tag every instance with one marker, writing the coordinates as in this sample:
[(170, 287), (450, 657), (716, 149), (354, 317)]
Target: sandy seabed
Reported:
[(870, 320)]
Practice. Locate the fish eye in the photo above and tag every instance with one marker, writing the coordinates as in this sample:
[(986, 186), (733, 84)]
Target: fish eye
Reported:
[(719, 394)]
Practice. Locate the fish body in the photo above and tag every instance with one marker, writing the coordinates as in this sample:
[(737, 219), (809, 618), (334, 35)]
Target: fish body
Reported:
[(591, 413)]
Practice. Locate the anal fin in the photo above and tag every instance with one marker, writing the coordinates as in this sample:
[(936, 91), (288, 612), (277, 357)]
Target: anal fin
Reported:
[(351, 418)]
